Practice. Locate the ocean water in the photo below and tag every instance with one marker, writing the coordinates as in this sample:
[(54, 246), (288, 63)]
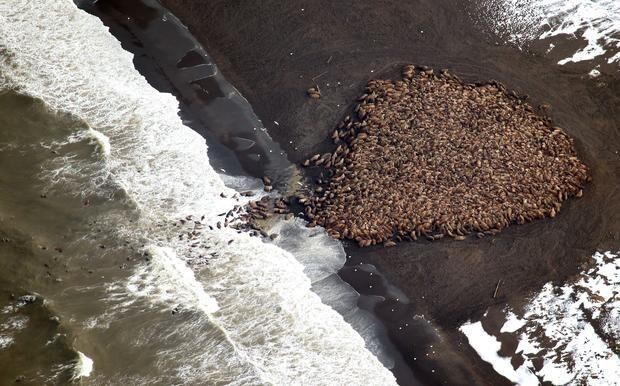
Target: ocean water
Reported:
[(98, 170)]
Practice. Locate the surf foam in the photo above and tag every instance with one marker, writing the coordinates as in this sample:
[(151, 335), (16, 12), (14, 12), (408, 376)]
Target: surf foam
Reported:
[(169, 279), (83, 366), (272, 321)]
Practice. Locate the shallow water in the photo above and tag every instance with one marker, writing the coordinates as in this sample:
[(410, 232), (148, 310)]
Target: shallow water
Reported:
[(98, 172), (36, 223)]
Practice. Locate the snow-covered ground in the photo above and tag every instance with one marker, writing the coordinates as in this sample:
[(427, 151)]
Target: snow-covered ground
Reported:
[(567, 334)]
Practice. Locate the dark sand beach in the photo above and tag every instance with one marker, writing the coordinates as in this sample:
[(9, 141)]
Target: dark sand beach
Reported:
[(273, 52)]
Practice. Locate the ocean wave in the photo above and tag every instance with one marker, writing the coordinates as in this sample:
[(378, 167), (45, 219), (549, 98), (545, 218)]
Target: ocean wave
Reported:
[(83, 366), (256, 295)]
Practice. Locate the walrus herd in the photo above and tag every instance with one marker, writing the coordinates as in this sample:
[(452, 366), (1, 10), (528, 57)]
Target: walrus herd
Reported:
[(429, 155)]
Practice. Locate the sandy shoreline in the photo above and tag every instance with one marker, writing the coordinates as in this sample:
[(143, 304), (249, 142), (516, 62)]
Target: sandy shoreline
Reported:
[(273, 52), (524, 256)]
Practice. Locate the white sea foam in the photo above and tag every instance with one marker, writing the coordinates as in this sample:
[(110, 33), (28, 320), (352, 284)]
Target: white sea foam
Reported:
[(566, 327), (322, 257), (169, 279), (273, 325), (302, 242), (596, 22), (5, 341), (83, 366), (12, 325), (102, 140)]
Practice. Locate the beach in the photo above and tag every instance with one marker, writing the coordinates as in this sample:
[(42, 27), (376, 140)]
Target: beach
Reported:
[(273, 52), (240, 73), (274, 74)]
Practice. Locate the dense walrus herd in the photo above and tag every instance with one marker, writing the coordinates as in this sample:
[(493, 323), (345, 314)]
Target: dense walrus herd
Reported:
[(429, 155)]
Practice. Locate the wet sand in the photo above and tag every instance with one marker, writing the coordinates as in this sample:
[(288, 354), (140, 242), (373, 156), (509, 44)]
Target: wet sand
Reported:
[(273, 52)]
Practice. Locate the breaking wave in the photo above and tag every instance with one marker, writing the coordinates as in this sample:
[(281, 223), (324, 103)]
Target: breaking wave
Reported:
[(254, 298)]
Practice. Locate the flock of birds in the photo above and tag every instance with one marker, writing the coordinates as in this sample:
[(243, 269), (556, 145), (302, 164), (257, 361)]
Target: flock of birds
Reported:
[(429, 155)]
